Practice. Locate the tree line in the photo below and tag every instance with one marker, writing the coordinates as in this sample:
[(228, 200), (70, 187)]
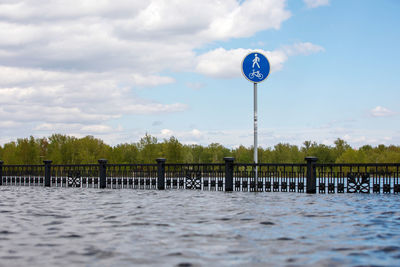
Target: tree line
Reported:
[(63, 149)]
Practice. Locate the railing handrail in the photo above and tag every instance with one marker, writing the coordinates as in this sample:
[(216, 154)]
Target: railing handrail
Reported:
[(310, 177), (194, 164), (213, 164), (131, 164), (23, 165), (75, 165), (356, 164), (272, 164)]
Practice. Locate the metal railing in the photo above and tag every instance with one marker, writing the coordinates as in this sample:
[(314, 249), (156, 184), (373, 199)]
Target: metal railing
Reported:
[(309, 177)]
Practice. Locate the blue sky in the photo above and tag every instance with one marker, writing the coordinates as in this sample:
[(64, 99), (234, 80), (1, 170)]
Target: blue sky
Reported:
[(119, 69)]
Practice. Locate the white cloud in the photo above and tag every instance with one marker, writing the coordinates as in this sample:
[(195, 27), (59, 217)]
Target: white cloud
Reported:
[(166, 133), (194, 136), (9, 123), (305, 48), (80, 102), (151, 80), (77, 127), (196, 133), (68, 65), (380, 111), (97, 128), (246, 19), (74, 68), (222, 63), (150, 36), (316, 3), (20, 34), (154, 108)]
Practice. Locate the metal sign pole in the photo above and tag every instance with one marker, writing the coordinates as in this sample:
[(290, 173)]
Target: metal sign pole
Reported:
[(255, 137), (256, 68)]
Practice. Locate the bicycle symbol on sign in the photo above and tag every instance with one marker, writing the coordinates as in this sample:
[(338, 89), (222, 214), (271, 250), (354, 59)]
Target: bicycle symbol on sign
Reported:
[(256, 74)]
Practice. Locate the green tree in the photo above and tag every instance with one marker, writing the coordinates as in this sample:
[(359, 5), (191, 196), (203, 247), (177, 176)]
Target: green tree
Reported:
[(125, 153), (340, 147), (286, 153), (172, 150), (265, 155), (324, 153), (90, 149), (243, 154), (149, 149), (197, 153), (187, 154), (352, 156), (63, 149), (28, 151), (214, 153), (43, 144), (10, 153)]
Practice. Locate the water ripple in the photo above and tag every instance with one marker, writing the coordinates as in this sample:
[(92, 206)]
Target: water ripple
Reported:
[(90, 227)]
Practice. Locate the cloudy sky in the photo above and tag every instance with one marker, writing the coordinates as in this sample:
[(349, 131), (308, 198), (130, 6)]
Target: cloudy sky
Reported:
[(117, 69)]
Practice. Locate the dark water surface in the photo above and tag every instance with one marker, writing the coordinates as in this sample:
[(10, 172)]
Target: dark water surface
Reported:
[(91, 227)]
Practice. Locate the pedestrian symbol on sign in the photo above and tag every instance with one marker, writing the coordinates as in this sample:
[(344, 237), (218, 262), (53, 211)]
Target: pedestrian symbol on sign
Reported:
[(255, 61)]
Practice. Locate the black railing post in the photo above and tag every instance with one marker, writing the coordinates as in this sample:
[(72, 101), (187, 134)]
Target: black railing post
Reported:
[(311, 179), (47, 172), (103, 173), (1, 172), (160, 173), (229, 173)]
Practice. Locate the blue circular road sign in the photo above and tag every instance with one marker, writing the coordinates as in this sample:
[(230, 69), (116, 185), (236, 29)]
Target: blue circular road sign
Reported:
[(255, 67)]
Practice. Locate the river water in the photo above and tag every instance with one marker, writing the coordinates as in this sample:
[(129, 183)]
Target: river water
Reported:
[(91, 227)]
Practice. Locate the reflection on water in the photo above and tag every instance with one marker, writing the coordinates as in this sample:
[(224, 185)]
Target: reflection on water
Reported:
[(64, 227)]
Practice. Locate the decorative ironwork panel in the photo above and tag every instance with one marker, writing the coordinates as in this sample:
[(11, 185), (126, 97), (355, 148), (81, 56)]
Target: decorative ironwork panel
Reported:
[(386, 188), (270, 177), (396, 188), (245, 185), (321, 186), (268, 186), (376, 183), (193, 180), (133, 176), (340, 187), (195, 176), (396, 180), (206, 183), (23, 175), (292, 185), (74, 179), (242, 174), (83, 175), (358, 183), (300, 187), (237, 184), (354, 178), (284, 185), (275, 185), (260, 187), (331, 187), (331, 182)]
